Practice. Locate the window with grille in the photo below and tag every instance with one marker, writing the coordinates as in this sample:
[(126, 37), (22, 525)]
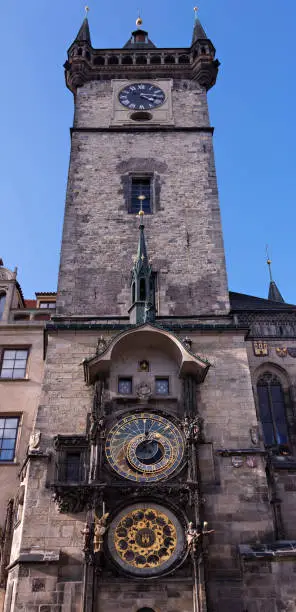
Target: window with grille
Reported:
[(272, 410), (8, 437), (14, 363), (141, 193)]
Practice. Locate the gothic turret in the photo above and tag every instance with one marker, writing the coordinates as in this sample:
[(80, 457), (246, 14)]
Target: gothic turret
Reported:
[(142, 283), (205, 66), (79, 57)]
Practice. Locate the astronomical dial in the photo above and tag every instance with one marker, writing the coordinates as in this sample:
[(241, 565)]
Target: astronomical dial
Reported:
[(145, 539), (141, 96), (144, 447)]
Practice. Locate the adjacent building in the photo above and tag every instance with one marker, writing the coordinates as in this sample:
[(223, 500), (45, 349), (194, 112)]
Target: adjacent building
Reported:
[(160, 475), (21, 372)]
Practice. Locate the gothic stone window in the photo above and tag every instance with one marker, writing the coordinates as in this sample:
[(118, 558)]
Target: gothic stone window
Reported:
[(14, 363), (141, 186), (8, 436), (272, 410)]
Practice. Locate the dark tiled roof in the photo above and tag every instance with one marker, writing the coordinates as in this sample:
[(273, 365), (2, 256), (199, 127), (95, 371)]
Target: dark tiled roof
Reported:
[(240, 301), (42, 293)]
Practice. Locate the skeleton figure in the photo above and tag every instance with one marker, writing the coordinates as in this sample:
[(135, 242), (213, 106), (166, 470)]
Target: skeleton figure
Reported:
[(99, 532), (192, 537), (191, 429)]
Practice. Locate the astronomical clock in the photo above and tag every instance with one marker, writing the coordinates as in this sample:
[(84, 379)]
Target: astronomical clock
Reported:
[(145, 539), (145, 448)]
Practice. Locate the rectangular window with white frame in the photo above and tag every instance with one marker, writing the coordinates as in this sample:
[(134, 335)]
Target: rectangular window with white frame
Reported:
[(14, 363)]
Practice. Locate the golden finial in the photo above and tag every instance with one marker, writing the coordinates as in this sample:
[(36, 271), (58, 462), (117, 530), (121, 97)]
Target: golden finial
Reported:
[(139, 21), (269, 262), (86, 8), (195, 11)]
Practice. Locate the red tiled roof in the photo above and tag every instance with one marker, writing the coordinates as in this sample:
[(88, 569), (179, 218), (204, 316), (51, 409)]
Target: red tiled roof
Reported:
[(31, 303)]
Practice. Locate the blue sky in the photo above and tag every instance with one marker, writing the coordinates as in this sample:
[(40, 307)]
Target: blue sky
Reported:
[(252, 108)]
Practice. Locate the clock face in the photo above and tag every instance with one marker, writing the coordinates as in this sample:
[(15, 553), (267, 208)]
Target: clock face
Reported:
[(145, 539), (144, 447), (141, 96)]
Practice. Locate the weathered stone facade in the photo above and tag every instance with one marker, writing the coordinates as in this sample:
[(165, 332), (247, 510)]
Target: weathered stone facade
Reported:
[(215, 509)]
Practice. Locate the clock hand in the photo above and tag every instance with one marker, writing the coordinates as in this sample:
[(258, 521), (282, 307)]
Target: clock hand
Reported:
[(151, 96), (147, 97)]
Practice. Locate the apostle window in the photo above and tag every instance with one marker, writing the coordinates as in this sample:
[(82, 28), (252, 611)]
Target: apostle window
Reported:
[(162, 386), (141, 194), (125, 386), (8, 437), (14, 363), (272, 411)]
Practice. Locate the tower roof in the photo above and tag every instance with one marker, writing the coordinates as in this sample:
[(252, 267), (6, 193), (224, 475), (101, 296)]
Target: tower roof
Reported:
[(84, 32), (274, 293), (198, 31), (139, 40)]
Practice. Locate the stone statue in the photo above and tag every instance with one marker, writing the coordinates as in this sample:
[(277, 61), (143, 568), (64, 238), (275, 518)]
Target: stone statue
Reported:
[(99, 532), (101, 346), (86, 537)]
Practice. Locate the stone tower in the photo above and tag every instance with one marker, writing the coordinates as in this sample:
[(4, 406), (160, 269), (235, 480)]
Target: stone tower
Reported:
[(133, 496)]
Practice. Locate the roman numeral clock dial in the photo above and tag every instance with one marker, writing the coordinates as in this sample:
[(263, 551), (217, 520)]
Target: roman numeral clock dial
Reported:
[(141, 96)]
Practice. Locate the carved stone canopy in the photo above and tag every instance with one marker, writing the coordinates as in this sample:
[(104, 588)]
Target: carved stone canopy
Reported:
[(6, 275), (149, 336)]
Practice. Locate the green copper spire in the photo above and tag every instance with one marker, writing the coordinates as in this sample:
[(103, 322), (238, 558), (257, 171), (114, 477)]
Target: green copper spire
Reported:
[(142, 284)]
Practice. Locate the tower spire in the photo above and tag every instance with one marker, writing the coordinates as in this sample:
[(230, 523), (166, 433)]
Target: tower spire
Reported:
[(274, 293), (143, 300), (198, 31), (84, 32)]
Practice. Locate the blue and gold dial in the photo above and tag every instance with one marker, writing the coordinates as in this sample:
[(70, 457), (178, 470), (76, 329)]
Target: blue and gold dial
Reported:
[(144, 447)]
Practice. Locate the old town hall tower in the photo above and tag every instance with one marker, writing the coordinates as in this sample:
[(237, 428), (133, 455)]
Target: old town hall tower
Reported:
[(148, 485)]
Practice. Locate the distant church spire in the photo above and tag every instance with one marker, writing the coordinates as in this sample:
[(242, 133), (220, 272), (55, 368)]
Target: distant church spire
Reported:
[(198, 31), (274, 293), (143, 301)]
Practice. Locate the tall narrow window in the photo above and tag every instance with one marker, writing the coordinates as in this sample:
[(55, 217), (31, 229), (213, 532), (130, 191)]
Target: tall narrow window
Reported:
[(141, 186), (142, 289), (272, 410), (73, 467), (14, 363), (8, 436), (2, 304)]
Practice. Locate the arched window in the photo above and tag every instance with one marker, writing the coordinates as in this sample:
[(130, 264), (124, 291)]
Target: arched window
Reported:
[(155, 59), (184, 59), (99, 61), (169, 59), (141, 59), (127, 60), (113, 60), (272, 411), (146, 610), (2, 304)]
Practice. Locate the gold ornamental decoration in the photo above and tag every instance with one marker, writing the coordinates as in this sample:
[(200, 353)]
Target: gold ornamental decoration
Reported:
[(260, 349), (145, 538)]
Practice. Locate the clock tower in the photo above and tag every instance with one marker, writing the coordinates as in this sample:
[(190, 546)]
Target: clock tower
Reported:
[(128, 502)]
